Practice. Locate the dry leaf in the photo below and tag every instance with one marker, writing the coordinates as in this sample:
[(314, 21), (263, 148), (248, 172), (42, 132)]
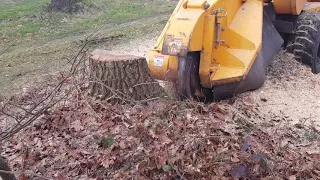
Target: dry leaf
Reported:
[(234, 158), (23, 177), (162, 158), (188, 116), (61, 177), (152, 134), (108, 161), (178, 123), (76, 125), (107, 124), (122, 145), (164, 139), (293, 177), (141, 166)]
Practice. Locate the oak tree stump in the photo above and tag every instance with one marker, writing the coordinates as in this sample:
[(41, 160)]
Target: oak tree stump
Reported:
[(121, 77)]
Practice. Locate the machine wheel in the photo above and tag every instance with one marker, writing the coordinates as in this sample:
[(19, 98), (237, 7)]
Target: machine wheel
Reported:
[(189, 86), (306, 39)]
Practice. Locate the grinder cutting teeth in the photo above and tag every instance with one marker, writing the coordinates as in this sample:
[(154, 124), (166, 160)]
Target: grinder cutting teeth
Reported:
[(188, 78)]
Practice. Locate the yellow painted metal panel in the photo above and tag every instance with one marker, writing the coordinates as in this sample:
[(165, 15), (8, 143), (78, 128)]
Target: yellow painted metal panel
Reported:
[(159, 42), (197, 36), (231, 63), (289, 6), (206, 54), (235, 40), (223, 57), (224, 74), (187, 26), (248, 22), (219, 77), (163, 67)]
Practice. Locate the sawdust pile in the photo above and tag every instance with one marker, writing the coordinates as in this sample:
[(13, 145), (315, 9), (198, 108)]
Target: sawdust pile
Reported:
[(291, 91), (285, 67)]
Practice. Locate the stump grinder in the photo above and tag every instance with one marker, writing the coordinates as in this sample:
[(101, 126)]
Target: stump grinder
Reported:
[(218, 48)]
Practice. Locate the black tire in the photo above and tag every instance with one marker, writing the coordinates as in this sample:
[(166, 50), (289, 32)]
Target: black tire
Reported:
[(189, 81), (306, 39), (4, 167)]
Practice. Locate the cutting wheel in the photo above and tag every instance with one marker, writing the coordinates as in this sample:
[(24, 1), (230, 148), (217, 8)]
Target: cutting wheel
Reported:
[(189, 86)]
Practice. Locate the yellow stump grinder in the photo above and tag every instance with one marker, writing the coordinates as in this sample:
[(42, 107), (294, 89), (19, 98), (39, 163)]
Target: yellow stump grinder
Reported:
[(218, 48)]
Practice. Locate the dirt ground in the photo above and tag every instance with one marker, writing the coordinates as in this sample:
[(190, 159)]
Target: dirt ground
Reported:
[(291, 91)]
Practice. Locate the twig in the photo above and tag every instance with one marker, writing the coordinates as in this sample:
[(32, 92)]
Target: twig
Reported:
[(13, 117), (6, 49), (7, 172), (123, 97), (22, 108), (140, 84), (151, 99), (49, 97)]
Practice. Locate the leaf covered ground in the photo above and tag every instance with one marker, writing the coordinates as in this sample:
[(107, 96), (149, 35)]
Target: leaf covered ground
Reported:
[(84, 138)]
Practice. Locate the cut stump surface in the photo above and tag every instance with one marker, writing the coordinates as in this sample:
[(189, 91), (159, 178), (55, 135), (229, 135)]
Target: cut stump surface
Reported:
[(121, 77)]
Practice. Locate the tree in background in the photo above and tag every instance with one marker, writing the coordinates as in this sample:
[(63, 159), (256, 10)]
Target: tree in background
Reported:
[(67, 6)]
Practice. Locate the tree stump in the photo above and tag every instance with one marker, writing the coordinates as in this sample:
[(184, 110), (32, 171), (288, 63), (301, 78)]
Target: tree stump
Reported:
[(121, 78), (67, 6)]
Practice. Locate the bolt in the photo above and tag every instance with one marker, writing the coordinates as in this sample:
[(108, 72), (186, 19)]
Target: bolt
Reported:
[(223, 41), (206, 6), (214, 59), (222, 29), (216, 46)]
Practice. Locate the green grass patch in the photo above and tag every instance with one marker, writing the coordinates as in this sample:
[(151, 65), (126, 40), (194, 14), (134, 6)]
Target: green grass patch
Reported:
[(26, 19), (15, 10)]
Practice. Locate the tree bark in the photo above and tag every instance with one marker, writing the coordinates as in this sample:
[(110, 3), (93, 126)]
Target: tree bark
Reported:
[(121, 78)]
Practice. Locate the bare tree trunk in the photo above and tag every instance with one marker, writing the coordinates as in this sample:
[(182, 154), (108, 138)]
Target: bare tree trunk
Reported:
[(60, 3), (63, 5), (121, 77)]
